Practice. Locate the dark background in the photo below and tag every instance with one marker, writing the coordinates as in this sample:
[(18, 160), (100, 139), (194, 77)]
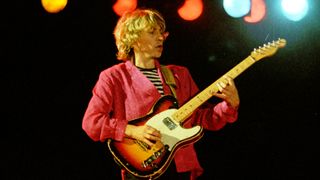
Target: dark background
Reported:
[(50, 63)]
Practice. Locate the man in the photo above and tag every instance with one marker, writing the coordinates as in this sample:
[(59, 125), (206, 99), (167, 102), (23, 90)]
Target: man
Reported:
[(129, 90)]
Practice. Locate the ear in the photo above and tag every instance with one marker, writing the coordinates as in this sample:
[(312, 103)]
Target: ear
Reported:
[(135, 45)]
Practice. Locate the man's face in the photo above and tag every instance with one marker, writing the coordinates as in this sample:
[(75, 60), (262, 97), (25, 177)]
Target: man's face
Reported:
[(150, 43)]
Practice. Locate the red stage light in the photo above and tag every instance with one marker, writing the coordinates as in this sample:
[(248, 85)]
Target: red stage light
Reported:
[(257, 13)]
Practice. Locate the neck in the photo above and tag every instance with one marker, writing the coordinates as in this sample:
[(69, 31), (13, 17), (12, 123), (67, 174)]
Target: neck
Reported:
[(145, 63)]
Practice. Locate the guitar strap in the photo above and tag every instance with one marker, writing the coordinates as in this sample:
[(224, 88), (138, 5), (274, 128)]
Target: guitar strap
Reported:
[(168, 77)]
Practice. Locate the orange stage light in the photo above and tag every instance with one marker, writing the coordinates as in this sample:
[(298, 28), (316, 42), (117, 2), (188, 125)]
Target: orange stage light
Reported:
[(191, 9), (54, 6), (122, 6)]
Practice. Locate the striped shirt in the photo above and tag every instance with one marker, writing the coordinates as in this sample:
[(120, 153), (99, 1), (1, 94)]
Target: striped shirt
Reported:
[(153, 76)]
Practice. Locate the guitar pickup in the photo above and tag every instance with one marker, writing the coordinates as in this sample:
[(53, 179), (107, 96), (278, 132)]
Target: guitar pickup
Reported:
[(169, 123)]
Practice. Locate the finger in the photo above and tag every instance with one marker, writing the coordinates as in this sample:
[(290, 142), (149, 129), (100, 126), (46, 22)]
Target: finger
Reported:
[(153, 131), (220, 95), (223, 85), (219, 87), (226, 79), (229, 80), (227, 91), (150, 140), (156, 133), (152, 134), (149, 143)]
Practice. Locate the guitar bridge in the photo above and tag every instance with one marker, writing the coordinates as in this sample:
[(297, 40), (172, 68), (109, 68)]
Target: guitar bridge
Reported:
[(153, 160)]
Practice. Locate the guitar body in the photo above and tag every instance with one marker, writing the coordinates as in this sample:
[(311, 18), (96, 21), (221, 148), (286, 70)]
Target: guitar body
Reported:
[(144, 162)]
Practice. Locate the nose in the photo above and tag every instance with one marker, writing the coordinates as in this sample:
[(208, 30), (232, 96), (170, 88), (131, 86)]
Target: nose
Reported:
[(163, 36)]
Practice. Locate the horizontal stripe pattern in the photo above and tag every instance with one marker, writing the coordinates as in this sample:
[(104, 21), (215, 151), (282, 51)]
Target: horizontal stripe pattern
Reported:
[(154, 77)]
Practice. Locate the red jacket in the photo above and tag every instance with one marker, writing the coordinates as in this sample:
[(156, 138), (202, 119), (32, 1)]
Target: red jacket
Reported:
[(122, 93)]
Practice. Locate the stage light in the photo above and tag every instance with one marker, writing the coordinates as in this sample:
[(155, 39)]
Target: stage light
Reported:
[(191, 9), (122, 6), (257, 13), (54, 6), (294, 10), (237, 8)]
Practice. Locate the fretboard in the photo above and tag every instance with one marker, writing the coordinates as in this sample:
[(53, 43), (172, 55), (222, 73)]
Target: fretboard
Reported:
[(188, 108)]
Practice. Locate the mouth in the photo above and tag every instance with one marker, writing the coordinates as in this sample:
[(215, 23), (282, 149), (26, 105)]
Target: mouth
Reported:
[(159, 46)]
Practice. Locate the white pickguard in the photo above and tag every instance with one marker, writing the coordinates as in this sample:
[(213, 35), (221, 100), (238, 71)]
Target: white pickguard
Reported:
[(169, 136)]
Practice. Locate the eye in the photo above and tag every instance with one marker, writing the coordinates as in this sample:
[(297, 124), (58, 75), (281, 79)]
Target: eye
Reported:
[(151, 31)]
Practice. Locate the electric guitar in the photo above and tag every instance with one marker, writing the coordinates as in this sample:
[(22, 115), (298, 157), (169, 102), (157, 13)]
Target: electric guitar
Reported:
[(143, 161)]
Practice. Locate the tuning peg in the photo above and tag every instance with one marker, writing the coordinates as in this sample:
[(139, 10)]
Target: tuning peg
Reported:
[(273, 43)]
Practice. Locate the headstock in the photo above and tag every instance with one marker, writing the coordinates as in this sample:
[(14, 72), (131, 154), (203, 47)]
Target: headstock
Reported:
[(268, 49)]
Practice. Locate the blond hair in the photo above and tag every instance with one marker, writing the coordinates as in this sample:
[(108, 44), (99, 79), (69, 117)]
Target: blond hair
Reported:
[(129, 27)]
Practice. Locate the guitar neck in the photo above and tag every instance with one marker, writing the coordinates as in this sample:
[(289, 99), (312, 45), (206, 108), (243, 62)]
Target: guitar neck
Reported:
[(187, 109)]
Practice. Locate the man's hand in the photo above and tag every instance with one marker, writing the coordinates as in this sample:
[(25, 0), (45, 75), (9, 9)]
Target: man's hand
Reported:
[(228, 92), (144, 133)]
